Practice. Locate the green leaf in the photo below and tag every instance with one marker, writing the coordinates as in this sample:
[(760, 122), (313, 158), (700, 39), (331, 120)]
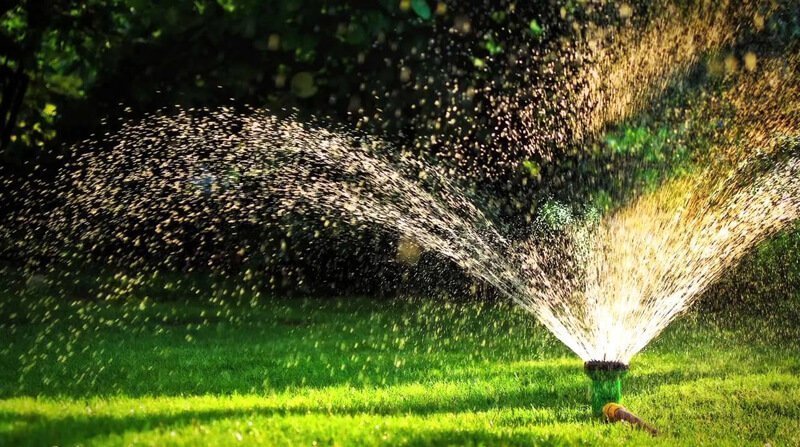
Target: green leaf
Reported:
[(602, 201), (492, 46), (421, 8), (498, 16), (356, 35), (532, 167), (49, 110), (227, 5), (303, 85), (535, 28), (64, 84)]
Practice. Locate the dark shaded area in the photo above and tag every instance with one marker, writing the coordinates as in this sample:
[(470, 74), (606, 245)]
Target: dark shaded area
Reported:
[(71, 69)]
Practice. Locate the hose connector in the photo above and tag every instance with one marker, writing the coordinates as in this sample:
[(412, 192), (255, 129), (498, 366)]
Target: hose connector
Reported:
[(615, 413)]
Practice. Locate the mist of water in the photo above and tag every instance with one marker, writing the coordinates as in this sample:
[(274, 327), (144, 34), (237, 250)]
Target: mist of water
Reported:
[(605, 287)]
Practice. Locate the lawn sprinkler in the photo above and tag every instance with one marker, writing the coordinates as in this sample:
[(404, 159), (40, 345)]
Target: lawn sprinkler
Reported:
[(607, 393), (606, 382)]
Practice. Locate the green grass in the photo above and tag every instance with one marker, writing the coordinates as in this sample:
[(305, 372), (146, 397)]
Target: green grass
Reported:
[(359, 372)]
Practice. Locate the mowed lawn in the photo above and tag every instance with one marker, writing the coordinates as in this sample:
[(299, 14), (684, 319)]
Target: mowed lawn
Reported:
[(356, 371)]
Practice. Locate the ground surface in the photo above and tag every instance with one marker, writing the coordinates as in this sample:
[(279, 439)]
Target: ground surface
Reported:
[(355, 372)]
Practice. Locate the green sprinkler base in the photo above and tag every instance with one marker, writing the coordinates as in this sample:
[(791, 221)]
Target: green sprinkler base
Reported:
[(606, 383)]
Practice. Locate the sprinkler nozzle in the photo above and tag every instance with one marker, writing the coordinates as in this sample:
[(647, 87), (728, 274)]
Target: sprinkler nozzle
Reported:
[(606, 382), (616, 413)]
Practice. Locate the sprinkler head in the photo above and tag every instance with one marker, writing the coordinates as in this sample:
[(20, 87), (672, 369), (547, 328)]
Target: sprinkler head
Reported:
[(606, 382)]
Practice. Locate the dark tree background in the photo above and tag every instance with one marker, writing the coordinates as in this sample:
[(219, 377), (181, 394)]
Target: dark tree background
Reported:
[(382, 67), (69, 69)]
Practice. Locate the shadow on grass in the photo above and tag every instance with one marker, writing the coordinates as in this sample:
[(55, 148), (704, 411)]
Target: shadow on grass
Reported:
[(633, 383), (479, 437), (38, 429), (230, 359), (78, 431)]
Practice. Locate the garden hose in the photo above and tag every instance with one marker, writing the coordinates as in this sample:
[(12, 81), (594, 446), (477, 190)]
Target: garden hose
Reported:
[(616, 413)]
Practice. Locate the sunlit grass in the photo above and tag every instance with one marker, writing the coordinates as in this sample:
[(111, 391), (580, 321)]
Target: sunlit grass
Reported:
[(359, 372)]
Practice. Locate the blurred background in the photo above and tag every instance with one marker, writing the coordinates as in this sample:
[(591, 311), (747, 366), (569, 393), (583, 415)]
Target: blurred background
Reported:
[(411, 71)]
